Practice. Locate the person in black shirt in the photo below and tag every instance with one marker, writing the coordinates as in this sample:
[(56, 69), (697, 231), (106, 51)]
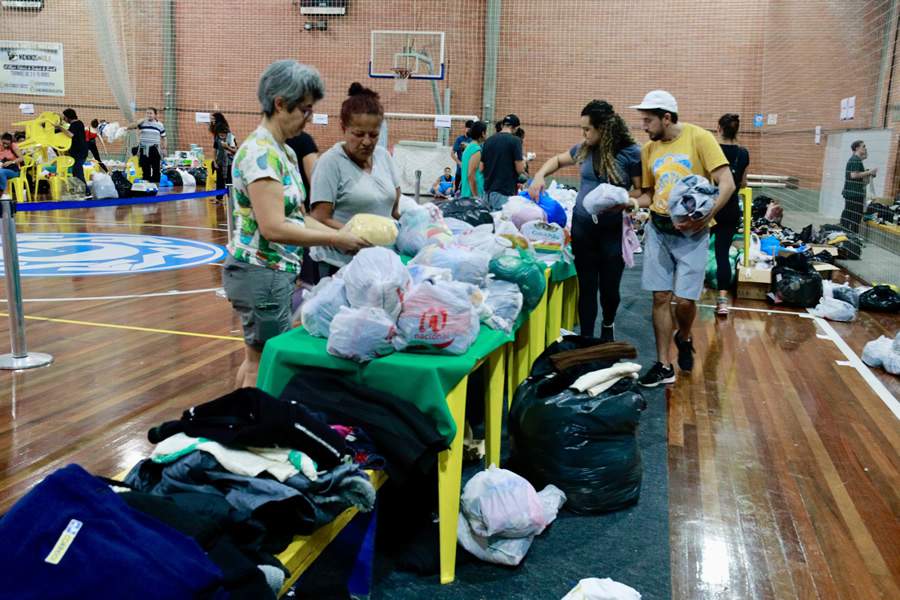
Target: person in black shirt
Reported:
[(304, 146), (79, 148), (728, 219), (503, 162)]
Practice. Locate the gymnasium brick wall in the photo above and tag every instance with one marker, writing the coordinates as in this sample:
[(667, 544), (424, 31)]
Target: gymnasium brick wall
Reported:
[(796, 59)]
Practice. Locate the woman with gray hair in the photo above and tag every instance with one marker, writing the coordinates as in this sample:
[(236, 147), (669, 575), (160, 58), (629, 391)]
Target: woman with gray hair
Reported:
[(270, 229)]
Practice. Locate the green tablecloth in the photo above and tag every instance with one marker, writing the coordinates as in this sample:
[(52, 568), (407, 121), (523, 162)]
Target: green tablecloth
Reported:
[(562, 270), (422, 379)]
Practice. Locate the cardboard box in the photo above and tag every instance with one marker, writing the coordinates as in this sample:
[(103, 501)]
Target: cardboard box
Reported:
[(817, 248), (825, 270), (884, 201), (753, 283)]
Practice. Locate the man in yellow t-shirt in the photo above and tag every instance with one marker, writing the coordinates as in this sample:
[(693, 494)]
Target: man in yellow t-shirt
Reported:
[(675, 254)]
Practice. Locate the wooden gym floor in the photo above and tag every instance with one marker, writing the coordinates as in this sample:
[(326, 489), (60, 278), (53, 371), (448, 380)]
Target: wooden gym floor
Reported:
[(784, 456)]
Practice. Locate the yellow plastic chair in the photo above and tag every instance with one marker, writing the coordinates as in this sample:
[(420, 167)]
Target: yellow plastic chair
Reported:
[(63, 164), (42, 132), (19, 185), (210, 174)]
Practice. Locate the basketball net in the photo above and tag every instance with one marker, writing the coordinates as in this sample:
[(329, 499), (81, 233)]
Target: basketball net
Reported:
[(401, 78)]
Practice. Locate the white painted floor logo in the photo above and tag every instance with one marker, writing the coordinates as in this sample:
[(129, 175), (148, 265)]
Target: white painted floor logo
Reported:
[(72, 254)]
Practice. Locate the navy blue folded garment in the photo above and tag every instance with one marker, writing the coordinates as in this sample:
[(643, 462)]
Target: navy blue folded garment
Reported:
[(251, 417), (72, 537)]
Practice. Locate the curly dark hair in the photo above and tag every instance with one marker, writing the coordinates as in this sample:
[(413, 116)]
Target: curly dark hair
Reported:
[(614, 136)]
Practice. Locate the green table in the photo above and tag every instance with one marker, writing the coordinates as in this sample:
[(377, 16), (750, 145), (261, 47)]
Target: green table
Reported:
[(423, 379)]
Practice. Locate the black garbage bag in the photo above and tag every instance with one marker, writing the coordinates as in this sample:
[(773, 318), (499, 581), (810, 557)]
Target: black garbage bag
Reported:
[(123, 186), (880, 298), (587, 446), (174, 176), (199, 174), (759, 206), (469, 210), (543, 366), (825, 257), (795, 281), (851, 249)]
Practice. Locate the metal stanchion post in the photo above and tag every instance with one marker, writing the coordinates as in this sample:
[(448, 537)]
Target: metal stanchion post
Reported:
[(20, 357), (229, 211), (418, 184)]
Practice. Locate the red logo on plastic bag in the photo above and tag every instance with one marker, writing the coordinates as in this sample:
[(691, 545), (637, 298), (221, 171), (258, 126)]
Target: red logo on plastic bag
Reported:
[(434, 319)]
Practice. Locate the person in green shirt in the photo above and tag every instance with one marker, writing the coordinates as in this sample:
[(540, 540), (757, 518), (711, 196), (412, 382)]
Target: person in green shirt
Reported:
[(472, 185), (855, 179)]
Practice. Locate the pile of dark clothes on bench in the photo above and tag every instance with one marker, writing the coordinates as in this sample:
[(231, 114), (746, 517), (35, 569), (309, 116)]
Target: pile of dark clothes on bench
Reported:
[(226, 488)]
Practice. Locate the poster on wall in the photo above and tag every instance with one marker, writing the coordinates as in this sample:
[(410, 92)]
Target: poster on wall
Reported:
[(31, 68)]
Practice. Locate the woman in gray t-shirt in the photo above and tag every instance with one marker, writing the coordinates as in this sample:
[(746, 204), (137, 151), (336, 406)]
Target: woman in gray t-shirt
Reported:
[(356, 175)]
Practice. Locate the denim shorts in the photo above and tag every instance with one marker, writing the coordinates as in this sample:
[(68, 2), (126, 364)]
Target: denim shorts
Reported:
[(261, 296)]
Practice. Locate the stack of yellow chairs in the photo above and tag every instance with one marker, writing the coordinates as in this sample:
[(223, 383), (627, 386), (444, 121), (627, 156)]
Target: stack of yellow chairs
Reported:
[(40, 134)]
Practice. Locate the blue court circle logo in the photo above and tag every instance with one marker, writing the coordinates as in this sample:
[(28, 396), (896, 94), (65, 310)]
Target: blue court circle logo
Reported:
[(75, 254)]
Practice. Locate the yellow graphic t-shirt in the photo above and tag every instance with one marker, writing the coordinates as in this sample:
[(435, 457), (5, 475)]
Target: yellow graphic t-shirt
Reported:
[(663, 164)]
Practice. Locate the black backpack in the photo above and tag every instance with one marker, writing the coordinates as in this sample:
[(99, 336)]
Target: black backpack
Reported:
[(123, 186)]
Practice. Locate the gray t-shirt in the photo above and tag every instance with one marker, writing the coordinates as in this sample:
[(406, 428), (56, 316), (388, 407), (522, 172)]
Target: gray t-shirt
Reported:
[(340, 181)]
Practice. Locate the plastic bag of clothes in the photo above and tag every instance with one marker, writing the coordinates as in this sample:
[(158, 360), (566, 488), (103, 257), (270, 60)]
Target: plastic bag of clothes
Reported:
[(199, 174), (553, 209), (321, 304), (173, 176), (880, 298), (504, 300), (692, 198), (376, 277), (844, 292), (421, 273), (469, 210), (881, 354), (421, 226), (528, 214), (466, 264), (605, 197), (102, 186), (329, 255), (546, 234), (456, 226), (440, 316), (361, 334), (187, 179), (501, 513), (525, 272), (834, 310), (795, 281), (586, 445), (483, 238), (375, 229), (593, 588)]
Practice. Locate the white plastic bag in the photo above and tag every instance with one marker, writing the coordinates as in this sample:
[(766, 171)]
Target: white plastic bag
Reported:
[(361, 334), (877, 351), (376, 277), (483, 238), (457, 226), (102, 186), (896, 344), (422, 273), (504, 299), (601, 589), (605, 197), (187, 180), (422, 226), (467, 265), (834, 310), (544, 233), (321, 304), (439, 315), (500, 514), (406, 203)]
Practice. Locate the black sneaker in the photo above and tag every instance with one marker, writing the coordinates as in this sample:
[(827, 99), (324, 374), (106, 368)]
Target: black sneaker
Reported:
[(607, 334), (685, 353), (658, 375)]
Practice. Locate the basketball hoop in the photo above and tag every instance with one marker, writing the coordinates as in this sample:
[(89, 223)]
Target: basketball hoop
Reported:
[(401, 78)]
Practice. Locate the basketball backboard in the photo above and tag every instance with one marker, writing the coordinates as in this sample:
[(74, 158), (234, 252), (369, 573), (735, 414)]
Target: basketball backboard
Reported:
[(420, 53)]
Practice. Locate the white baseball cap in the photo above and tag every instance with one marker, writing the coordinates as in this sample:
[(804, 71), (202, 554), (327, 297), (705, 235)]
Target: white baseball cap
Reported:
[(658, 99)]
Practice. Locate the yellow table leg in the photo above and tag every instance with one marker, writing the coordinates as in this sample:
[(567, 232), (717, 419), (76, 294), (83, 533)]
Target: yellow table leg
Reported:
[(450, 483), (537, 328), (554, 310), (493, 410), (570, 303), (522, 354)]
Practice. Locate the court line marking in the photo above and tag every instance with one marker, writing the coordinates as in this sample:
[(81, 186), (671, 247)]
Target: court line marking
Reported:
[(130, 328), (853, 360), (125, 297)]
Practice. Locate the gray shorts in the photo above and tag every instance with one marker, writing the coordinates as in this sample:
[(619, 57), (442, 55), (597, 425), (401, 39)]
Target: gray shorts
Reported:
[(675, 263), (261, 296), (495, 200)]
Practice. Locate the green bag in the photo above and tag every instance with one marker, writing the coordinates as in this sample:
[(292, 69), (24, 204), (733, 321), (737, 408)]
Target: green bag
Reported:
[(525, 272)]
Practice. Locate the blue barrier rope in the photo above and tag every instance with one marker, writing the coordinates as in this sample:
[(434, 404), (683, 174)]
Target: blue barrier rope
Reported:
[(70, 204)]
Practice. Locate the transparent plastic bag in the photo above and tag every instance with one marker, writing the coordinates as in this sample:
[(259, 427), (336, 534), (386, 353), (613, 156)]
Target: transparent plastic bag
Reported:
[(877, 351), (467, 265), (439, 315), (321, 304), (501, 513), (422, 273), (605, 197), (376, 277), (483, 238), (526, 273), (422, 226), (102, 186), (528, 214), (544, 233), (361, 334), (504, 300), (456, 226), (330, 256), (375, 229), (834, 310), (593, 588)]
